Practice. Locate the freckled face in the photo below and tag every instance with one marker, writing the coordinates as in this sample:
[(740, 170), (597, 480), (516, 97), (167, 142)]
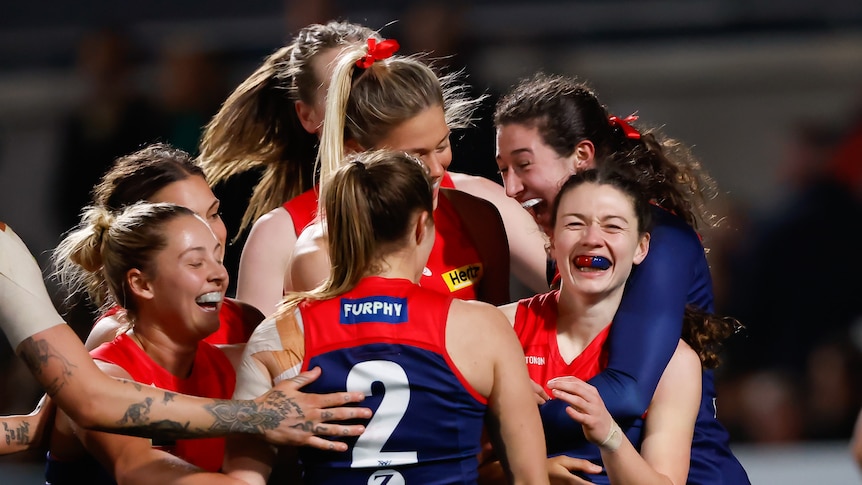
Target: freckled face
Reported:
[(596, 220)]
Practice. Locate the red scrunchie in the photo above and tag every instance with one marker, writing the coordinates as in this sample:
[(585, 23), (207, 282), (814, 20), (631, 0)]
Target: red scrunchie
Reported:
[(624, 125), (376, 52)]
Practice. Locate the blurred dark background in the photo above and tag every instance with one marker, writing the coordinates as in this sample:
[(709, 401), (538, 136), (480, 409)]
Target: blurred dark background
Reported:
[(770, 99)]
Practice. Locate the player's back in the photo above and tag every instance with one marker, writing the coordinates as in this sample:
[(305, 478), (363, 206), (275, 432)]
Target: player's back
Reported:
[(387, 338)]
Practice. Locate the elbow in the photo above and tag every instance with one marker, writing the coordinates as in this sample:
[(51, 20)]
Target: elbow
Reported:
[(622, 395)]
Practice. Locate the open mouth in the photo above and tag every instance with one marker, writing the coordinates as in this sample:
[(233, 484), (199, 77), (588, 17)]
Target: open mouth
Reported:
[(592, 263), (209, 301), (531, 203)]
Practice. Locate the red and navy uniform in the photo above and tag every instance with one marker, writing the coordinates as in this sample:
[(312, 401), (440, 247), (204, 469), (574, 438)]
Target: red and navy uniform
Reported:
[(387, 338), (643, 337), (212, 376), (536, 327), (454, 266), (231, 328)]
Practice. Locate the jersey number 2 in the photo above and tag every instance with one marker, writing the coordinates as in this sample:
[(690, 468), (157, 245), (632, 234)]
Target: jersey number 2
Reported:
[(368, 450)]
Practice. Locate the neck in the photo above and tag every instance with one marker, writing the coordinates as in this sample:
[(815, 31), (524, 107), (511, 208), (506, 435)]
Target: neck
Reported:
[(175, 356), (581, 317), (400, 264)]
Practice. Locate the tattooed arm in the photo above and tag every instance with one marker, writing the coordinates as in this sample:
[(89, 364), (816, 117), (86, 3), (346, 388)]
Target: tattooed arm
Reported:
[(25, 432), (59, 361), (282, 415)]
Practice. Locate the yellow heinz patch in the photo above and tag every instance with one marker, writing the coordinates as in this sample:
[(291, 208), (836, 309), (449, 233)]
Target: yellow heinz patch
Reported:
[(463, 277)]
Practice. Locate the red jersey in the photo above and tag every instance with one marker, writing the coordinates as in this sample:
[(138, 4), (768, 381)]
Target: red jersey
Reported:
[(454, 266), (536, 327), (212, 376), (231, 327)]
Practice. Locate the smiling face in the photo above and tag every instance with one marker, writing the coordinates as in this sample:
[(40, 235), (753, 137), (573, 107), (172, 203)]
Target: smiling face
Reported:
[(425, 136), (194, 193), (596, 220), (188, 281), (532, 171)]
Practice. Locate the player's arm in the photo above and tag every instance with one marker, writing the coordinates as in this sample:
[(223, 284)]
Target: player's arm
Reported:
[(670, 424), (133, 460), (263, 264), (25, 432), (648, 323), (484, 227), (527, 242), (486, 351)]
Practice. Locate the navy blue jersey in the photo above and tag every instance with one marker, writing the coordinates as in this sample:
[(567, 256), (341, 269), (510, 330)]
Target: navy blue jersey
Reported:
[(712, 461), (386, 338)]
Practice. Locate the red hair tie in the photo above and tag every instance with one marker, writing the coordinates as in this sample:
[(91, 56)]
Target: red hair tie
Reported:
[(376, 52), (624, 125)]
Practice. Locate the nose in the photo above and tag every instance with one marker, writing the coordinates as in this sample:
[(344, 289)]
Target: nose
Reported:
[(512, 183), (592, 235), (435, 165), (218, 274)]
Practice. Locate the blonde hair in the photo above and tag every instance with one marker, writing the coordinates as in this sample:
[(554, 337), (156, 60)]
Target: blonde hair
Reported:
[(370, 205), (95, 256), (257, 126), (364, 105)]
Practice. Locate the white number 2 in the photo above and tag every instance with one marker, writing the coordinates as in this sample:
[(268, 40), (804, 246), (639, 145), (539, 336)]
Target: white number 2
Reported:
[(367, 452)]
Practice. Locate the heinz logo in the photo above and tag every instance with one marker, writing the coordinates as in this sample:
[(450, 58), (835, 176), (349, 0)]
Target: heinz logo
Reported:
[(463, 276), (378, 309)]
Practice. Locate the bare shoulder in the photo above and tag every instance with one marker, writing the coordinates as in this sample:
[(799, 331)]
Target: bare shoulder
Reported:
[(684, 364), (274, 224), (478, 316), (104, 330), (310, 240), (478, 186)]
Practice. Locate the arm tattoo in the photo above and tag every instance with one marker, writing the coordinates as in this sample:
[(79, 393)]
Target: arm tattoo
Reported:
[(19, 435), (248, 417), (38, 355)]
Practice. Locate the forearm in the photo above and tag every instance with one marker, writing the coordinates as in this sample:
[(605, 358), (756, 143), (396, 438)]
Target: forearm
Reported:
[(648, 323), (626, 466), (156, 466), (94, 400)]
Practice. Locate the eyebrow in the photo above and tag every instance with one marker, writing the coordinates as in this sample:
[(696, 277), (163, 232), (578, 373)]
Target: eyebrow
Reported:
[(603, 219), (215, 203), (517, 151)]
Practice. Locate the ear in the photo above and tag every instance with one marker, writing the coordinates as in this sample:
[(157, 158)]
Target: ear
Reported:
[(139, 284), (585, 155), (642, 249), (423, 228), (305, 112)]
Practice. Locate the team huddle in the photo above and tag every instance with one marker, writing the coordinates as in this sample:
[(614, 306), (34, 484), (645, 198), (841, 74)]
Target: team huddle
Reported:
[(373, 338)]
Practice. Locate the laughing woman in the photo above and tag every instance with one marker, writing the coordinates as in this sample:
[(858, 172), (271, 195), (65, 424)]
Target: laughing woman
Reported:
[(162, 263)]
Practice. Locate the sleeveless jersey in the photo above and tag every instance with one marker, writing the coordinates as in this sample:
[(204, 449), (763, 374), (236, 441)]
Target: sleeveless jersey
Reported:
[(712, 461), (231, 328), (212, 376), (454, 266), (386, 338), (536, 327)]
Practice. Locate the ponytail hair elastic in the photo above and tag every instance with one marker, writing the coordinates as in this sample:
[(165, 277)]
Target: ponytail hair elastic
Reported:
[(377, 51), (628, 130)]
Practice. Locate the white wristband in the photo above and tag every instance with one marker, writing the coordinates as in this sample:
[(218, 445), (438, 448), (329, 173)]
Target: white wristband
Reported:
[(25, 307), (614, 439)]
